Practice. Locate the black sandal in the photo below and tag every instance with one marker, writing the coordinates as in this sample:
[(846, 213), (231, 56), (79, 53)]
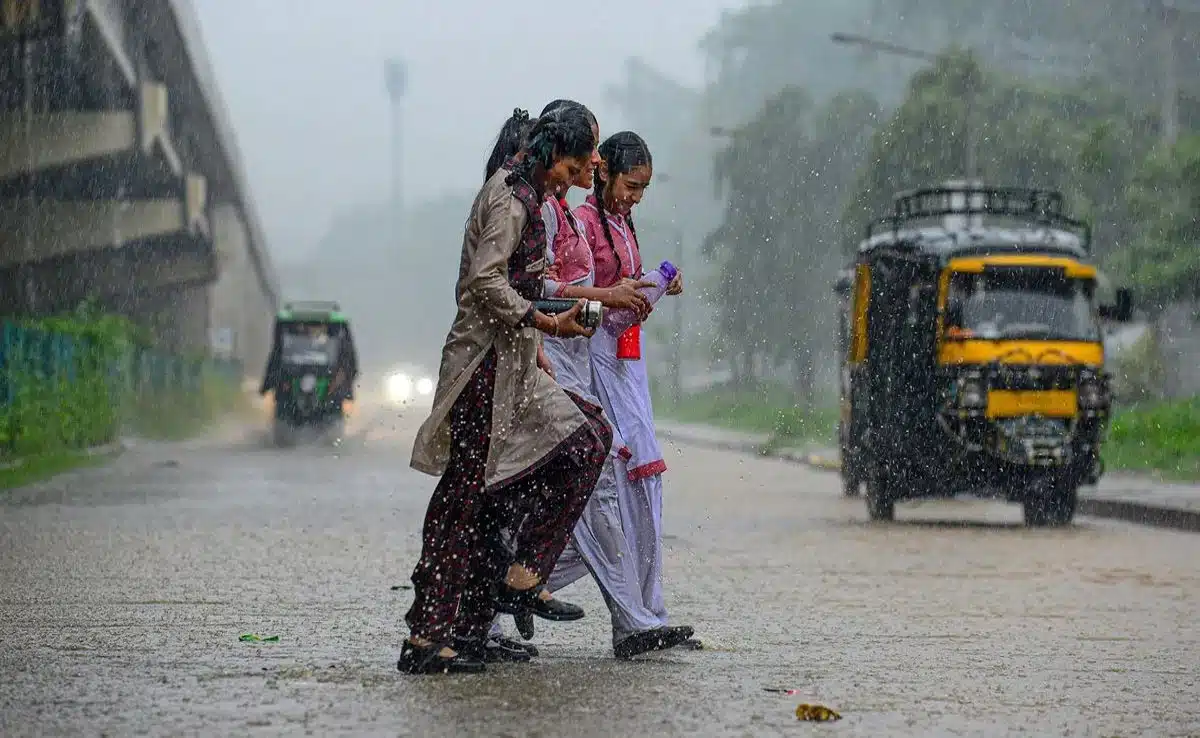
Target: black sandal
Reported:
[(659, 639), (687, 631), (493, 649), (524, 623), (518, 602), (530, 649), (428, 660), (690, 643)]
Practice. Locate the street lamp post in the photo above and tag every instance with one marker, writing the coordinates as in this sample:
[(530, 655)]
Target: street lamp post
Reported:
[(970, 153), (396, 79)]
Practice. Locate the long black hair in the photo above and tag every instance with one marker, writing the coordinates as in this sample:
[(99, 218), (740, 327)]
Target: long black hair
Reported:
[(560, 102), (513, 135), (564, 131), (622, 153)]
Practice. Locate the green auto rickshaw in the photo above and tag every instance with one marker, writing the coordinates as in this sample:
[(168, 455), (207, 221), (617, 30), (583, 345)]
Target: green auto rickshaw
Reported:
[(311, 371)]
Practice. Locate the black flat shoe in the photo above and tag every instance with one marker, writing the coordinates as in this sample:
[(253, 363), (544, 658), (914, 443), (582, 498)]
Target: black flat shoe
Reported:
[(524, 602), (524, 623), (427, 660), (557, 610), (690, 643), (659, 639), (528, 648), (531, 649), (493, 650)]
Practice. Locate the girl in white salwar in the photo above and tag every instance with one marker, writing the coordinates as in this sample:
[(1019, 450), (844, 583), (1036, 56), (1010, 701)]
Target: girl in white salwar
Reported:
[(623, 386)]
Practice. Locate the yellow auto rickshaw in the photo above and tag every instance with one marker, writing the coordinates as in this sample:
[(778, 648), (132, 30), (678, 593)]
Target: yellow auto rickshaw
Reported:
[(972, 353)]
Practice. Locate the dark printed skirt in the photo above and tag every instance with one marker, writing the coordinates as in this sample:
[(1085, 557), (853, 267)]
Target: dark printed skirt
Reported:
[(462, 556)]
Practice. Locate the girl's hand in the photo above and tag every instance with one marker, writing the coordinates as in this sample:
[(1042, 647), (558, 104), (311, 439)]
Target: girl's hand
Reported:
[(676, 286), (627, 295)]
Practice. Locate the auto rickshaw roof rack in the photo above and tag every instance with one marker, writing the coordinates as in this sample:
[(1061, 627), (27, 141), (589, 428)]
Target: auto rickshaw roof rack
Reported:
[(1034, 206), (312, 310)]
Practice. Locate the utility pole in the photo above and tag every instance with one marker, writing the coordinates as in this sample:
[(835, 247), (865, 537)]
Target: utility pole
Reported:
[(677, 354), (677, 310), (1167, 22), (26, 271), (396, 79)]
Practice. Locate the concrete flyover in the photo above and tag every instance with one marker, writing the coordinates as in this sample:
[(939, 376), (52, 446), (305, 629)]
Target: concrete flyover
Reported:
[(120, 180)]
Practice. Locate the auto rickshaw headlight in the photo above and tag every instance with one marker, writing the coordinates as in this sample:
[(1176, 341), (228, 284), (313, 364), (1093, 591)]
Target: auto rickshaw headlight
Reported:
[(972, 394), (1091, 394), (399, 387)]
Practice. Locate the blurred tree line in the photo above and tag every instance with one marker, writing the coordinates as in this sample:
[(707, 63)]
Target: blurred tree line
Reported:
[(398, 297), (810, 140)]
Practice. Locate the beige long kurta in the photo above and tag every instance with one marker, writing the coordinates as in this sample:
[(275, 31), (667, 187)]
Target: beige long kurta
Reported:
[(531, 415)]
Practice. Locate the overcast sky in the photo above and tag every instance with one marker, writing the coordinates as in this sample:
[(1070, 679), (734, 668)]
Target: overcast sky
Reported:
[(303, 81)]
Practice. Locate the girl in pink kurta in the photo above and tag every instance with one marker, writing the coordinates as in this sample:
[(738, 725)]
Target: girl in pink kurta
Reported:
[(623, 386)]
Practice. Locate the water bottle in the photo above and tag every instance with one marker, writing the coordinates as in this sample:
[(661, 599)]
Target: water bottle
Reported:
[(616, 322)]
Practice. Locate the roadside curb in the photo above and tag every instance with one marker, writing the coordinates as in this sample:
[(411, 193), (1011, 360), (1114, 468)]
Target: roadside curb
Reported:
[(1127, 510), (1131, 511), (107, 449)]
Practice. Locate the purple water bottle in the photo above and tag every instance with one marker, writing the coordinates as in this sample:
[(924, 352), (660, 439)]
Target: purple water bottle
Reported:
[(617, 322)]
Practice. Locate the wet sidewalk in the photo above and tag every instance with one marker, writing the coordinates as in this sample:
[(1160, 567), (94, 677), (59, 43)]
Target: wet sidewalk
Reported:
[(1122, 496)]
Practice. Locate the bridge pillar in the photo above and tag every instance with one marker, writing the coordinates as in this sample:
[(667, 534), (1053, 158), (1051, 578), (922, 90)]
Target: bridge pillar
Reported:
[(177, 315), (240, 312)]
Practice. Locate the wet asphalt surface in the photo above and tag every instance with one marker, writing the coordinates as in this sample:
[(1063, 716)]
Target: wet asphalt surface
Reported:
[(124, 589)]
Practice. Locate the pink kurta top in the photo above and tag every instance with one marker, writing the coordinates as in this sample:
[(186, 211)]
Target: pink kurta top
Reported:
[(612, 262)]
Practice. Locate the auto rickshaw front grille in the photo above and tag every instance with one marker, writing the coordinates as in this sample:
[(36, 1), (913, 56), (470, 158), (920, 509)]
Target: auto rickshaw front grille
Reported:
[(1027, 378)]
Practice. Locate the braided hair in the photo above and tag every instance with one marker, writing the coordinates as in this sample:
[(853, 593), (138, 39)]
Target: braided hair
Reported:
[(565, 131), (513, 135), (622, 152)]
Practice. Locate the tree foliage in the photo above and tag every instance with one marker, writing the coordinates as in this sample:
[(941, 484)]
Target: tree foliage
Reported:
[(1164, 200), (1056, 93), (806, 171), (785, 174)]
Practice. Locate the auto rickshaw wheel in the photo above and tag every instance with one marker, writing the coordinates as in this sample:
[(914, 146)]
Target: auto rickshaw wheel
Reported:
[(881, 505), (1050, 503), (283, 434), (851, 477)]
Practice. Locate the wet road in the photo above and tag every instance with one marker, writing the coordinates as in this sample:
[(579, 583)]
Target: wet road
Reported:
[(123, 592)]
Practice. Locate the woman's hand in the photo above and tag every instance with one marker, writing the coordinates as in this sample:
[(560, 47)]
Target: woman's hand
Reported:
[(676, 286), (626, 295), (543, 362)]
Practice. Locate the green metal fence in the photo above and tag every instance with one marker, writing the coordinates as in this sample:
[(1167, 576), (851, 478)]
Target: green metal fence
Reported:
[(57, 364)]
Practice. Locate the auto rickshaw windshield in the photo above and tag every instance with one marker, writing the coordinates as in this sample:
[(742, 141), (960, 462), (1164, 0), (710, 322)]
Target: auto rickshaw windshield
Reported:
[(308, 345), (1021, 305)]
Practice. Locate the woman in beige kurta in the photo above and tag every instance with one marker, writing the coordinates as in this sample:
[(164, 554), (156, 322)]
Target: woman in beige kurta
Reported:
[(506, 440)]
